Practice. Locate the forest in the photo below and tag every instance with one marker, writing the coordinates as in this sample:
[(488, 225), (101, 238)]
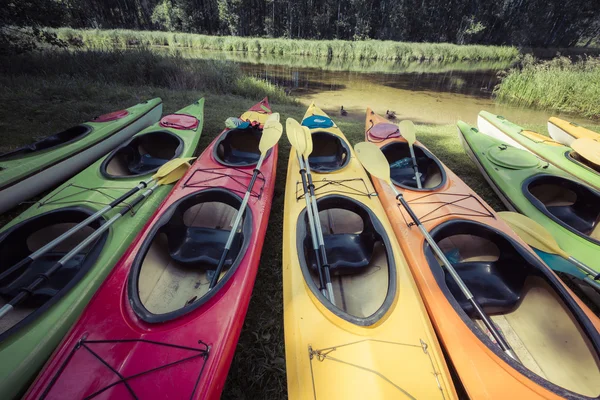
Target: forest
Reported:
[(525, 23)]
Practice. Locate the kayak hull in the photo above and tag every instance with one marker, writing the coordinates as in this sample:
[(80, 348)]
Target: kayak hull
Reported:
[(29, 347), (33, 176), (391, 353), (192, 351)]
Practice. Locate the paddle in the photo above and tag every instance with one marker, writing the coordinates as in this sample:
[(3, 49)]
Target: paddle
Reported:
[(587, 148), (295, 135), (409, 132), (271, 133), (375, 162), (173, 173), (537, 236), (307, 152), (170, 172)]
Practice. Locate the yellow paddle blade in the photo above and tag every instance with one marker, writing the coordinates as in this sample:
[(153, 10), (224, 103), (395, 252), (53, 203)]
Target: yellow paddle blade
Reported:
[(272, 131), (295, 135), (588, 149), (532, 233), (170, 166), (273, 117), (408, 131), (309, 143), (174, 175), (373, 160)]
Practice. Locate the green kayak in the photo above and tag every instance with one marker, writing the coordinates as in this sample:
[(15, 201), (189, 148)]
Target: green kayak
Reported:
[(554, 152), (568, 209), (32, 330), (29, 170)]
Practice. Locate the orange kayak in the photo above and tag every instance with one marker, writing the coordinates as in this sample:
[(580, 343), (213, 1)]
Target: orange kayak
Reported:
[(554, 335)]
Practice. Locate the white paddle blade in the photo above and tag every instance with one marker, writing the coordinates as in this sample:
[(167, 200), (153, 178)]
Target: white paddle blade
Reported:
[(373, 160), (271, 134), (408, 131), (532, 233)]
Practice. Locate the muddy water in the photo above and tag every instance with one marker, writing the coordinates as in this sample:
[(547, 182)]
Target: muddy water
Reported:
[(424, 93)]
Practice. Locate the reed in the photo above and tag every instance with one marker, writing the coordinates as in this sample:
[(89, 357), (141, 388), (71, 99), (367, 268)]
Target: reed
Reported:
[(558, 84), (356, 50)]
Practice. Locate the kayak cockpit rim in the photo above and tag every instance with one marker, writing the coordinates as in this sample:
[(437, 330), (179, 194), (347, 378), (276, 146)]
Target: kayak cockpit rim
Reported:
[(22, 239), (330, 152), (51, 142), (433, 174), (239, 147), (571, 204), (142, 155), (170, 274), (582, 162), (515, 292), (357, 246)]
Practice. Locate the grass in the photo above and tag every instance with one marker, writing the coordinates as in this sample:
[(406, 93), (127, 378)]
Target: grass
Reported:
[(358, 50), (559, 84)]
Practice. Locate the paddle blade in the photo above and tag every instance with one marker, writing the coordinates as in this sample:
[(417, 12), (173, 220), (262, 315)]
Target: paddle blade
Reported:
[(172, 165), (588, 149), (174, 175), (272, 117), (408, 131), (373, 160), (532, 233), (295, 135), (309, 143), (271, 133)]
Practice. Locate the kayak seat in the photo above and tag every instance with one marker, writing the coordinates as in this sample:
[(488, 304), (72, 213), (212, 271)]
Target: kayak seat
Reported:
[(402, 171), (199, 245), (48, 289), (238, 147), (348, 254), (142, 154), (329, 154), (66, 136), (495, 290)]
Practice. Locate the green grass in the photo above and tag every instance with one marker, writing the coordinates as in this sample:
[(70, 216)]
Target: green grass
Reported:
[(559, 84), (358, 50)]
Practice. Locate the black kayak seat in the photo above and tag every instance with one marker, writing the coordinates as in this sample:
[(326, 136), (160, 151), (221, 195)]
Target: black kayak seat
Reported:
[(200, 246), (402, 171), (404, 175), (138, 164), (347, 254), (495, 290), (49, 142), (330, 153), (238, 147)]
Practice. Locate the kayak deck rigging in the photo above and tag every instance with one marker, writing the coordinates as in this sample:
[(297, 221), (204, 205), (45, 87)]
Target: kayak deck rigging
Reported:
[(217, 176), (83, 344), (72, 194), (350, 186)]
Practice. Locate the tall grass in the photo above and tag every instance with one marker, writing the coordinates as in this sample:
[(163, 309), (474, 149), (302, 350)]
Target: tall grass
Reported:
[(359, 50), (559, 84), (143, 67)]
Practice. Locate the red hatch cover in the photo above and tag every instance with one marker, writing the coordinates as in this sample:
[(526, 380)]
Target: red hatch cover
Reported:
[(179, 121), (112, 116), (384, 131)]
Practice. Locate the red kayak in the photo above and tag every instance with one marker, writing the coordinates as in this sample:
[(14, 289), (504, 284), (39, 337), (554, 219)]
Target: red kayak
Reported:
[(153, 329)]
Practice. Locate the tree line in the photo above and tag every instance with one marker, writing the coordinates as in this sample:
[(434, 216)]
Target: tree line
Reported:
[(531, 23)]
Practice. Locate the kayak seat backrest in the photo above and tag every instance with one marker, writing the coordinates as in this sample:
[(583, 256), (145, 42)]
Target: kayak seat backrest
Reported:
[(238, 147), (401, 167), (64, 137), (568, 202), (330, 153), (489, 263), (142, 154)]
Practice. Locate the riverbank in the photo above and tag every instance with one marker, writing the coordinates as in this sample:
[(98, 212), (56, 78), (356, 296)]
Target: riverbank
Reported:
[(360, 50), (560, 84)]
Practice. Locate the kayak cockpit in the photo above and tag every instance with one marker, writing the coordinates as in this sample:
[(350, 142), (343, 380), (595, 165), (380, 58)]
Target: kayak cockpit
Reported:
[(171, 274), (141, 155), (238, 147), (19, 241), (49, 142), (578, 159), (402, 172), (545, 327), (330, 152), (361, 262), (569, 203)]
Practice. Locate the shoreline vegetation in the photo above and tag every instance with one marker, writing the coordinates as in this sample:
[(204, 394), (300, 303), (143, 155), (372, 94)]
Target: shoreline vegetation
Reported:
[(359, 50), (559, 85)]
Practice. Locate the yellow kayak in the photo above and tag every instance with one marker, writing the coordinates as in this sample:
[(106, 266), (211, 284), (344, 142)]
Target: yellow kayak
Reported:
[(378, 341), (566, 132)]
